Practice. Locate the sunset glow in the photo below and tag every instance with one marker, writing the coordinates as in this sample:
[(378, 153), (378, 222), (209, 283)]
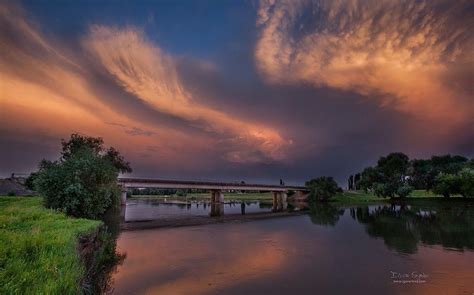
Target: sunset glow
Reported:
[(181, 114)]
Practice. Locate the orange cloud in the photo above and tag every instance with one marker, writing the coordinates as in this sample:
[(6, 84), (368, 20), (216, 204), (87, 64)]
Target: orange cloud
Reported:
[(398, 52), (148, 73), (46, 88)]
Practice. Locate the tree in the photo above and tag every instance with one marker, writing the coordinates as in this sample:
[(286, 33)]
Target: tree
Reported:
[(83, 182), (467, 182), (368, 178), (461, 183), (447, 185), (389, 177), (30, 181), (322, 188), (420, 173), (446, 164), (357, 181)]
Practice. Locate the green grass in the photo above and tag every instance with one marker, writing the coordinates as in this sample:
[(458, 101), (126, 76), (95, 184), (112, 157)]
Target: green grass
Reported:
[(360, 197), (38, 248), (207, 196)]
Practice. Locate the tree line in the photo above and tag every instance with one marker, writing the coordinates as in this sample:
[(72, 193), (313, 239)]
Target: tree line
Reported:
[(395, 175)]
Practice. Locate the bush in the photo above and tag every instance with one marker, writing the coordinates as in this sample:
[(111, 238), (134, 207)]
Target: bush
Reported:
[(82, 183), (388, 178), (322, 188), (447, 185), (467, 183), (30, 181), (453, 184), (181, 193)]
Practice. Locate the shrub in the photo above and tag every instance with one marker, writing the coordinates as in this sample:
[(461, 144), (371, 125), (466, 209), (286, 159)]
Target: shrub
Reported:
[(467, 183), (82, 183), (453, 184), (447, 185), (322, 188), (181, 193)]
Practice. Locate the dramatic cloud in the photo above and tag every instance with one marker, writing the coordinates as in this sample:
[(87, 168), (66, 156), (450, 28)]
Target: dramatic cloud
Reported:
[(336, 84), (145, 71), (49, 89), (404, 53)]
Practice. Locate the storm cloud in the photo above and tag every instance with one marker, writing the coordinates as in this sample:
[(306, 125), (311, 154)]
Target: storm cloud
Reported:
[(296, 89)]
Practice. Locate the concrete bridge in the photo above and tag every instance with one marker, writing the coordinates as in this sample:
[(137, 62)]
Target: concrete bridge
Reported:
[(280, 192)]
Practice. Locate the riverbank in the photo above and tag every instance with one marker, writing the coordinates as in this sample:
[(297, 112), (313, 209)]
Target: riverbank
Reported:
[(43, 250), (361, 197)]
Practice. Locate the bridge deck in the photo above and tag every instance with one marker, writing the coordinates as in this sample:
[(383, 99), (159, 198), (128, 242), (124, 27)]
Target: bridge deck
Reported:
[(184, 184)]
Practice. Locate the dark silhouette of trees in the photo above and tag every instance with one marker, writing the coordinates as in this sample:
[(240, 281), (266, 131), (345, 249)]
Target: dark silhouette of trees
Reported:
[(396, 176), (322, 188)]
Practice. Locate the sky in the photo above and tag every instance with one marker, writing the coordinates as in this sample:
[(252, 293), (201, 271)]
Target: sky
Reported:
[(237, 90)]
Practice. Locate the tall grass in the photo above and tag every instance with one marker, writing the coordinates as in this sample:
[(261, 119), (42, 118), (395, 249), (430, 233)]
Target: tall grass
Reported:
[(38, 252)]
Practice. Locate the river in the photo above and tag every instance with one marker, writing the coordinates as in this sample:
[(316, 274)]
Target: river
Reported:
[(420, 248)]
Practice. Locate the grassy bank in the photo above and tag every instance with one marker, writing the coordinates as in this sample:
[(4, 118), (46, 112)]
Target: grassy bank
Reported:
[(38, 248), (360, 197)]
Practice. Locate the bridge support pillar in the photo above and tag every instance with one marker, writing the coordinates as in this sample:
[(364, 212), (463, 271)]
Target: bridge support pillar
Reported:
[(275, 201), (217, 196), (123, 196), (283, 201), (279, 201)]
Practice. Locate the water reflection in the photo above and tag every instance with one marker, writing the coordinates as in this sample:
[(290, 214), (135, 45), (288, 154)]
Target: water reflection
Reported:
[(404, 227), (217, 209), (325, 214), (143, 210), (301, 254)]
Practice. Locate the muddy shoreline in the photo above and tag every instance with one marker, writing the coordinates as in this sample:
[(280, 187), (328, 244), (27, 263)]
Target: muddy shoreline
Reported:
[(203, 220)]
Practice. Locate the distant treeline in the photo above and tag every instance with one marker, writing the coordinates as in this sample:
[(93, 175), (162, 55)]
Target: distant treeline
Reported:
[(397, 175)]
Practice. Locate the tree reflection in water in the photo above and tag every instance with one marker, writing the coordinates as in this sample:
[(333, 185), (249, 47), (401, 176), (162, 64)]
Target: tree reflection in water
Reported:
[(110, 258), (324, 213), (403, 227)]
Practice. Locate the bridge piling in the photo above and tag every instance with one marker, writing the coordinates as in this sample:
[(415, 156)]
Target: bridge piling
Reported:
[(217, 196), (123, 196)]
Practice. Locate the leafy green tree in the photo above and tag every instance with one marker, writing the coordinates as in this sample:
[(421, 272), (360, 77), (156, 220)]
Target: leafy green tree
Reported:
[(83, 182), (420, 173), (445, 164), (461, 183), (447, 185), (30, 181), (467, 182), (357, 181), (392, 175), (322, 188), (369, 177)]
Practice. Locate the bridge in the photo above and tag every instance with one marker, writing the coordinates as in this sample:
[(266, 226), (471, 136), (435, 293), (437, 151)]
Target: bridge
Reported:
[(280, 192)]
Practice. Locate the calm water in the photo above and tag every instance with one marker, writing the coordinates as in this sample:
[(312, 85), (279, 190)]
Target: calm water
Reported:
[(140, 210), (417, 249)]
